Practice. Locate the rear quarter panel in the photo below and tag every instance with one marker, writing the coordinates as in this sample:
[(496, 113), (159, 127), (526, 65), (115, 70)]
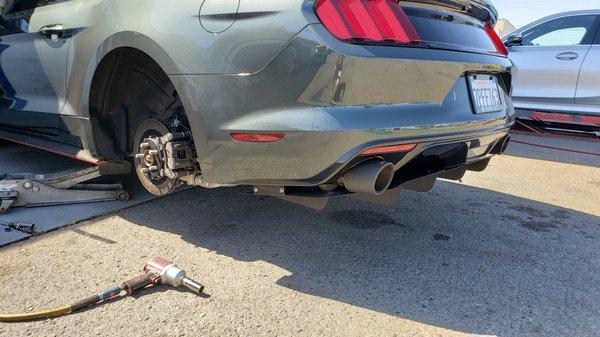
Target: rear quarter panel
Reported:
[(175, 35), (172, 33)]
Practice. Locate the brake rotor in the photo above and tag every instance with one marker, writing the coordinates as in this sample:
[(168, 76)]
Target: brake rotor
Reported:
[(149, 159)]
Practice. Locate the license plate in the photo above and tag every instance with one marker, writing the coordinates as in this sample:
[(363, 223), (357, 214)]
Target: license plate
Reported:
[(486, 94)]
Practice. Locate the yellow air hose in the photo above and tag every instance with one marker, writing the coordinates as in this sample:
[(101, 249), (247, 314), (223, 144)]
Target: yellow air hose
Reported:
[(36, 315), (64, 310)]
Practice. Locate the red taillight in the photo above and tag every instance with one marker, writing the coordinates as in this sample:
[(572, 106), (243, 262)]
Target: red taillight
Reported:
[(500, 47), (257, 137), (388, 149), (367, 20)]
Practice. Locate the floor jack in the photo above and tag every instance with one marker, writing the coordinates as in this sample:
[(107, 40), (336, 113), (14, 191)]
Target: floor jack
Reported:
[(68, 187)]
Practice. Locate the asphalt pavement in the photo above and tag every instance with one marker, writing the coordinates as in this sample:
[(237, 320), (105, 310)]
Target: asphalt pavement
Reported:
[(512, 251)]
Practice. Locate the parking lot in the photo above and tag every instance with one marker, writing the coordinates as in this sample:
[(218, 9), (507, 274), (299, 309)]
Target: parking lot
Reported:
[(512, 251)]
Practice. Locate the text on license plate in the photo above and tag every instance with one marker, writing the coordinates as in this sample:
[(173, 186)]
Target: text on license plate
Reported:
[(485, 92)]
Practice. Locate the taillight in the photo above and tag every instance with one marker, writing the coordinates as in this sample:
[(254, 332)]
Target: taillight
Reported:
[(367, 20), (500, 47)]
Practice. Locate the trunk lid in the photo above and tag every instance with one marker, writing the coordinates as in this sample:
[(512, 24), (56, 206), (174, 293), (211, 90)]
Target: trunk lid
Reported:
[(455, 24)]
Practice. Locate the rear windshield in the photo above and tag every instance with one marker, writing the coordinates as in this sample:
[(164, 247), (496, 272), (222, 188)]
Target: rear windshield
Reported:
[(450, 30)]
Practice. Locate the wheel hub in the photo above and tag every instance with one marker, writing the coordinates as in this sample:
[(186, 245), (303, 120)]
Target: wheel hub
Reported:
[(149, 159), (151, 156)]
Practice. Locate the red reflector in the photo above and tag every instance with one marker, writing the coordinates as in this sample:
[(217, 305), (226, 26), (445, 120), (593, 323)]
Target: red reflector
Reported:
[(552, 116), (590, 120), (257, 137), (565, 118), (367, 20), (388, 149), (500, 47)]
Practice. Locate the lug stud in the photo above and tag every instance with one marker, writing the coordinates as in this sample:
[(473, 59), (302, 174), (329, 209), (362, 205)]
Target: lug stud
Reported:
[(139, 156), (144, 145)]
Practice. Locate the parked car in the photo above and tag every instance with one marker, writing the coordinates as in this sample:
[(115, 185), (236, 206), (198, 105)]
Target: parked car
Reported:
[(558, 81), (299, 99)]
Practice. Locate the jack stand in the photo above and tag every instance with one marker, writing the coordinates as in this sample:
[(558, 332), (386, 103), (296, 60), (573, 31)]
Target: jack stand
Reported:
[(31, 190)]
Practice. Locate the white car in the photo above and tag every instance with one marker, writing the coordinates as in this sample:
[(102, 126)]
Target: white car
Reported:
[(558, 58)]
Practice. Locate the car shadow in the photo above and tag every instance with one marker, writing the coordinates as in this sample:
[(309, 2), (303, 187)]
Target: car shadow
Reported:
[(459, 257)]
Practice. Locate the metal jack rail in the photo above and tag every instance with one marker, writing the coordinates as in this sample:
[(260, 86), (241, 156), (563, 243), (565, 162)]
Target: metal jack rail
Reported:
[(156, 272), (29, 190)]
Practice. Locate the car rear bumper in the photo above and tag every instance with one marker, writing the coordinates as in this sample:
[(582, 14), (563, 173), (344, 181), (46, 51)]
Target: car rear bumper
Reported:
[(332, 100), (478, 146)]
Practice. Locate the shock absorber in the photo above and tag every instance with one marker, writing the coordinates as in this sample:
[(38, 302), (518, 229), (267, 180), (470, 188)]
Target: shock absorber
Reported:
[(156, 272)]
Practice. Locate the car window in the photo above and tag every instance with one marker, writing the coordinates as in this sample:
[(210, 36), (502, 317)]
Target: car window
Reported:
[(15, 6), (597, 39), (16, 14), (569, 31)]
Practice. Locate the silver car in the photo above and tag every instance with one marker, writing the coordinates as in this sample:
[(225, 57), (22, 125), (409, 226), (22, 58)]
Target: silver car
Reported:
[(299, 99), (559, 69)]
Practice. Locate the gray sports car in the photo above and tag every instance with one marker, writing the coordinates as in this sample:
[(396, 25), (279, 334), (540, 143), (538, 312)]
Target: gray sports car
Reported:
[(300, 99)]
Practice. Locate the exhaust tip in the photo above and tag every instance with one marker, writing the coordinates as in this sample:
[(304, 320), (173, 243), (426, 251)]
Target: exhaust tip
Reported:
[(502, 145), (371, 177), (505, 144), (384, 179)]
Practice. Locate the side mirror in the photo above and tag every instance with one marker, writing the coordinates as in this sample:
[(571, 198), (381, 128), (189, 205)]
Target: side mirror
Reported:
[(514, 40)]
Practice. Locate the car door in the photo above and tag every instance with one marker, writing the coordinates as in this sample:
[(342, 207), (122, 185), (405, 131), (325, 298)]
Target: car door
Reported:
[(587, 98), (33, 62), (549, 61)]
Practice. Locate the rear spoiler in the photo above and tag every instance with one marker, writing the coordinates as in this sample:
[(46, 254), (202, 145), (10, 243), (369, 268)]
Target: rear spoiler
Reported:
[(482, 10)]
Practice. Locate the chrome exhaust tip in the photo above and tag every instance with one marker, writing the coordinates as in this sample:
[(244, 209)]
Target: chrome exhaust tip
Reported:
[(370, 177)]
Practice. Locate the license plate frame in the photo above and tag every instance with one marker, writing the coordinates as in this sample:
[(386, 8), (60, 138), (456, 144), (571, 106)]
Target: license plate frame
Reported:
[(486, 93)]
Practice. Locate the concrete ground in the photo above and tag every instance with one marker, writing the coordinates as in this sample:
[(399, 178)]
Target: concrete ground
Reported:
[(512, 251)]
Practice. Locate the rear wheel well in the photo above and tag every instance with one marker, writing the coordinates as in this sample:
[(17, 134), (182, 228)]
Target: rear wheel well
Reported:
[(128, 87)]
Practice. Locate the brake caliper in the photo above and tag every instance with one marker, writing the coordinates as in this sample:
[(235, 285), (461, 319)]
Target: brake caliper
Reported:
[(165, 159), (171, 155)]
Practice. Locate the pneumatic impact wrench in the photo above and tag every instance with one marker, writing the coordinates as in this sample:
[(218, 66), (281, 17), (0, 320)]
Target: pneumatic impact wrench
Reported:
[(156, 272), (160, 271)]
